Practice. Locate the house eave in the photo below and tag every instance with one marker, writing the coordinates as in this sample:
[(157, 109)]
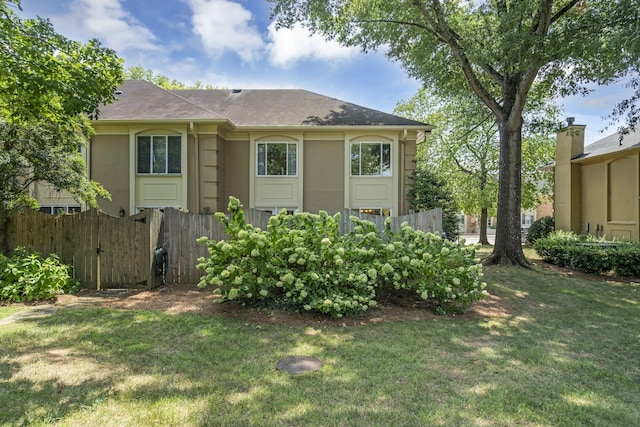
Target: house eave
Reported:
[(588, 158)]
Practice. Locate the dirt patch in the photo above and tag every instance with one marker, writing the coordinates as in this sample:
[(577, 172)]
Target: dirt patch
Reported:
[(177, 299)]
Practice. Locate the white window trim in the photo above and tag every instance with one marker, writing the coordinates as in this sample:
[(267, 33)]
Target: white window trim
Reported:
[(360, 209), (381, 175), (396, 166), (151, 155), (258, 137), (133, 164), (66, 208), (267, 143)]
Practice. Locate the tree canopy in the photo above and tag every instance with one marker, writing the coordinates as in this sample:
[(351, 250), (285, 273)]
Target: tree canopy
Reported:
[(463, 150), (494, 49), (139, 72), (49, 87)]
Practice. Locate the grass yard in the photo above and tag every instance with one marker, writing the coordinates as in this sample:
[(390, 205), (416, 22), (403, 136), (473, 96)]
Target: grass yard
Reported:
[(567, 354)]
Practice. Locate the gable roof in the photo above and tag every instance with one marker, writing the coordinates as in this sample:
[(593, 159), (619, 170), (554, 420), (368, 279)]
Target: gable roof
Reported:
[(611, 144), (138, 99)]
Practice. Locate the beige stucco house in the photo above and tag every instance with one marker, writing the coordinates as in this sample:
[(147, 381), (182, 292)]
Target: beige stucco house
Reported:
[(272, 149), (597, 187)]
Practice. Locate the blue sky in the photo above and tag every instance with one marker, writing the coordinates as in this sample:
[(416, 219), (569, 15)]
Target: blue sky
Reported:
[(233, 44)]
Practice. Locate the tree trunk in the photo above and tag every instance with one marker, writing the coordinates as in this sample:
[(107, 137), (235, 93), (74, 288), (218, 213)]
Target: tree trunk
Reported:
[(484, 216), (4, 229), (508, 244)]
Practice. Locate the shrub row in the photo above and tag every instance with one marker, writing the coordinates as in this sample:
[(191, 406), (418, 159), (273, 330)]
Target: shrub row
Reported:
[(590, 254), (303, 260), (540, 229), (28, 276)]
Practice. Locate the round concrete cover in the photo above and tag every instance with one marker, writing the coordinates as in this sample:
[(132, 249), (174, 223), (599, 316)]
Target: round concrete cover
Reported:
[(298, 364)]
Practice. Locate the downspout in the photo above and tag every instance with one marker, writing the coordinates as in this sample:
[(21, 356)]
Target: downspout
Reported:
[(197, 165), (403, 171)]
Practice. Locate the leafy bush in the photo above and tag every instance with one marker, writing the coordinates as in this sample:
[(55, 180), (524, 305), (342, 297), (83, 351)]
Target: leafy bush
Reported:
[(626, 259), (583, 253), (28, 277), (428, 191), (303, 260), (540, 228)]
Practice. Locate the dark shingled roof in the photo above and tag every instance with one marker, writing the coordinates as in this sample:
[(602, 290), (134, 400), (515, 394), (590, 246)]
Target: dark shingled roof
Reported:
[(611, 144), (248, 107)]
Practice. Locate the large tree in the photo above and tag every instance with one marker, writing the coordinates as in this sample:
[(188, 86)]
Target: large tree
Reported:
[(464, 150), (497, 49), (49, 87)]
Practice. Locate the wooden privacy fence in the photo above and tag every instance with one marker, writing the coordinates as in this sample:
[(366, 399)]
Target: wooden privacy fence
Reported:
[(181, 229), (105, 251), (112, 252)]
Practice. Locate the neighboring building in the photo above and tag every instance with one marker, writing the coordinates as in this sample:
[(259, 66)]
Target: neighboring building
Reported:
[(597, 187), (470, 224), (272, 149)]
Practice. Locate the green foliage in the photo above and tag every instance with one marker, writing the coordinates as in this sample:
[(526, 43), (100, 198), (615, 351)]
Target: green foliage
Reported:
[(303, 260), (49, 86), (580, 252), (626, 259), (27, 277), (138, 72), (464, 149), (540, 228), (428, 191), (505, 53)]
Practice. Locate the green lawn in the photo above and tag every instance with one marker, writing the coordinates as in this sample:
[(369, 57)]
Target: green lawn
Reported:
[(568, 354)]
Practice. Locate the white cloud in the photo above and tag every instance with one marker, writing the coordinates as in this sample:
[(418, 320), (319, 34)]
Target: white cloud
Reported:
[(107, 21), (289, 46), (226, 25)]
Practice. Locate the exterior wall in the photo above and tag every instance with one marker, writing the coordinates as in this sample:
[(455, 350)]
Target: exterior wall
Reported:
[(373, 191), (623, 196), (47, 195), (109, 165), (570, 143), (610, 198), (218, 163), (158, 190), (276, 192), (544, 209), (593, 200), (236, 172), (408, 164), (211, 164), (323, 182)]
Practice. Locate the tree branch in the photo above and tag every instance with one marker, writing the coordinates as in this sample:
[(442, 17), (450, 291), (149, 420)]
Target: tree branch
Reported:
[(446, 35), (564, 10), (406, 23)]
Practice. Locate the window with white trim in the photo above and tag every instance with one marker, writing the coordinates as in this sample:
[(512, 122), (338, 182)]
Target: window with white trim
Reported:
[(276, 211), (159, 154), (276, 159), (370, 159), (60, 210), (373, 211)]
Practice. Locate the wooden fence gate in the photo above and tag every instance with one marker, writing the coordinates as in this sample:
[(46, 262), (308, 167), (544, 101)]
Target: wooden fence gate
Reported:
[(105, 251)]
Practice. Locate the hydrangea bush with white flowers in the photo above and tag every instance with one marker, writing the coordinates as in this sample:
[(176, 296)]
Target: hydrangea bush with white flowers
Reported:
[(304, 259)]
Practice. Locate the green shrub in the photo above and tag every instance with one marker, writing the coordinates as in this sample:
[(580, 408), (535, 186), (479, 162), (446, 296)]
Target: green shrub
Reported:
[(540, 228), (303, 260), (589, 258), (580, 252), (626, 259), (28, 277), (554, 247)]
